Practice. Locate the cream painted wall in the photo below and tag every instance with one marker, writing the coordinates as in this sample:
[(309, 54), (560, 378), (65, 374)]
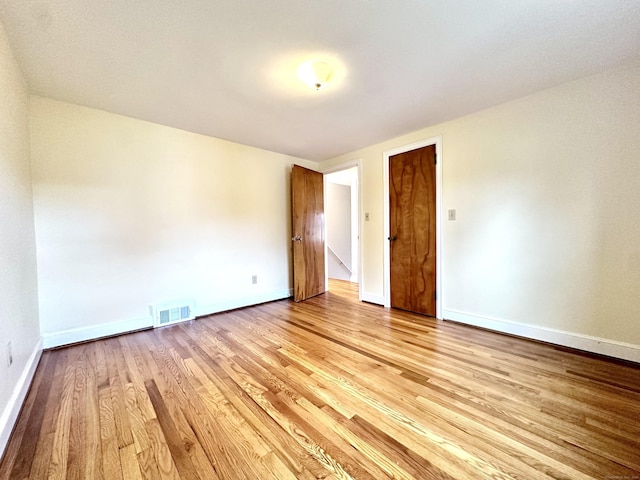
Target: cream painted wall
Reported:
[(18, 282), (547, 193), (130, 213)]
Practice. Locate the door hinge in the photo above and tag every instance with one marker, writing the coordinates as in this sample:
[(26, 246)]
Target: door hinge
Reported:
[(435, 295), (435, 158)]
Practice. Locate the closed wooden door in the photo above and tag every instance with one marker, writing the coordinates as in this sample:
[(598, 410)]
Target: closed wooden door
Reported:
[(307, 208), (412, 228)]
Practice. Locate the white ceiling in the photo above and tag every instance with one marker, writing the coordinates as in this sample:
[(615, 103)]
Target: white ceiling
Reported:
[(226, 68)]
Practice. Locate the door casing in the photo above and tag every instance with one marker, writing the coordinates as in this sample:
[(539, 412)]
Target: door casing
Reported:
[(437, 141)]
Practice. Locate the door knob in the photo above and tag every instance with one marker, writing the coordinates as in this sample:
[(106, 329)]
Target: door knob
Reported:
[(393, 239), (297, 238)]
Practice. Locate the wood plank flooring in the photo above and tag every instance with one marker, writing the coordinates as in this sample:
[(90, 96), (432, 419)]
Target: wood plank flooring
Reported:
[(330, 388)]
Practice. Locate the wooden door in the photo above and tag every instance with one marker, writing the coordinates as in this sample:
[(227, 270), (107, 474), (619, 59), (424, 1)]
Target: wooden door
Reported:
[(412, 228), (307, 209)]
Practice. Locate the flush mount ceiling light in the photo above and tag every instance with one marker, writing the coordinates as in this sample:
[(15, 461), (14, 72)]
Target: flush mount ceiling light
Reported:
[(314, 73)]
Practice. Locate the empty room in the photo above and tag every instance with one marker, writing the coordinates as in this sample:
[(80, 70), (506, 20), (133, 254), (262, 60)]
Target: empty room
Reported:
[(346, 239)]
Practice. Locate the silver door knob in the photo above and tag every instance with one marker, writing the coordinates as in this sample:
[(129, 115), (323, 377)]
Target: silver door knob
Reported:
[(297, 238)]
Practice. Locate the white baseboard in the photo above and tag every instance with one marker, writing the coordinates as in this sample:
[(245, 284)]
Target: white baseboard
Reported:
[(602, 346), (371, 298), (243, 302), (12, 409), (83, 334)]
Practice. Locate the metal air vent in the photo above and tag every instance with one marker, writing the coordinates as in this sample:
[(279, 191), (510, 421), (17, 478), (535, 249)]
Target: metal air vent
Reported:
[(172, 312)]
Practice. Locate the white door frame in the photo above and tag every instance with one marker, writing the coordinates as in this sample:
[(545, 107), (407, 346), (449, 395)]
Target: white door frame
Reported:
[(437, 141), (336, 168)]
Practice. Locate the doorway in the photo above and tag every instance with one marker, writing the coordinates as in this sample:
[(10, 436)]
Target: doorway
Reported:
[(433, 149), (342, 220)]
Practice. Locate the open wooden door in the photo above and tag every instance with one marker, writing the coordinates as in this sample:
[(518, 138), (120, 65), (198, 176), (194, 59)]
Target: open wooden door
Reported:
[(307, 210), (412, 226)]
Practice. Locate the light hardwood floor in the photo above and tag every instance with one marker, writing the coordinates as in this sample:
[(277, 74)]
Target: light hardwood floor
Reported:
[(330, 388)]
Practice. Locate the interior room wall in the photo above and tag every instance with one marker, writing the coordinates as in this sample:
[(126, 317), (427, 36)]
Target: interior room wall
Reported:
[(130, 213), (338, 215), (18, 275), (546, 242)]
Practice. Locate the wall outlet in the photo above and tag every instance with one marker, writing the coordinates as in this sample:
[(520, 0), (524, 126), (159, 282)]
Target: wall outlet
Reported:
[(254, 279), (9, 355)]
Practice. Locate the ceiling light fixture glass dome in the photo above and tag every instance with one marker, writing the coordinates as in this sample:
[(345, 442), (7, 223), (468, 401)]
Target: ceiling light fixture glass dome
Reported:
[(316, 74)]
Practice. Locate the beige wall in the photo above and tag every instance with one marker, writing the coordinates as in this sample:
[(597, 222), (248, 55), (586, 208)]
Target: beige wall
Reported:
[(130, 213), (18, 283), (547, 193)]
